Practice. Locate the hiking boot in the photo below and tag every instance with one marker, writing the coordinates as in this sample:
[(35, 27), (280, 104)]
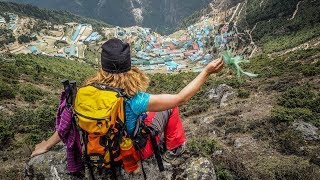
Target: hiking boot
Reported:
[(170, 156)]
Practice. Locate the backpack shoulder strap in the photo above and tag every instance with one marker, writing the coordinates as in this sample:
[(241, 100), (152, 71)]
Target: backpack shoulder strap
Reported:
[(121, 92)]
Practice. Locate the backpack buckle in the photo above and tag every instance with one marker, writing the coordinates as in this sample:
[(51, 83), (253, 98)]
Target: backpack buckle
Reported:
[(122, 93), (99, 124)]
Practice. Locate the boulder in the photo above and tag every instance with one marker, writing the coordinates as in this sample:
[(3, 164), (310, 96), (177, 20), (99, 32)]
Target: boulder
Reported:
[(315, 160), (243, 141), (226, 98), (199, 169), (308, 131), (222, 94), (52, 165)]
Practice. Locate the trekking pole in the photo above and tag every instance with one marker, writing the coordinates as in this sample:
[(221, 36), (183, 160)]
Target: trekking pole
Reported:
[(65, 83), (67, 90), (73, 89), (155, 147)]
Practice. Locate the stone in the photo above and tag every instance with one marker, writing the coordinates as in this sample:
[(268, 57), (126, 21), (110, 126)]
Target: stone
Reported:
[(222, 94), (217, 93), (226, 98), (315, 160), (308, 131), (52, 165), (243, 141), (199, 169)]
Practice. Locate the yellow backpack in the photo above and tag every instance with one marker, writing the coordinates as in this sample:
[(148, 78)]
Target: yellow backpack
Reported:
[(101, 118), (99, 112)]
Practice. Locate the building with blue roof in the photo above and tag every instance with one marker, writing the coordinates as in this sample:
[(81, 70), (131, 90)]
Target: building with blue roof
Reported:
[(77, 32), (12, 22), (59, 55), (2, 20), (71, 51), (93, 37), (33, 35), (171, 65), (34, 50)]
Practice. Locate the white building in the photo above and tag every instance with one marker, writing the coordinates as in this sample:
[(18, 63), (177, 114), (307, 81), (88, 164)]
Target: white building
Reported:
[(2, 20)]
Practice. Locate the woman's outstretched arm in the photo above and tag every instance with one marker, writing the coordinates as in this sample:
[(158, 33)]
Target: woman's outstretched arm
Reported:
[(45, 146), (162, 102)]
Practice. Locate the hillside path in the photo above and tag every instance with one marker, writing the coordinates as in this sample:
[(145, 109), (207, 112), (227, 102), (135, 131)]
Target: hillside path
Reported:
[(295, 12)]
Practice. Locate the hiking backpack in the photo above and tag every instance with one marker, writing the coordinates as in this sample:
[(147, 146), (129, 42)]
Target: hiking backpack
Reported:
[(99, 112), (101, 119)]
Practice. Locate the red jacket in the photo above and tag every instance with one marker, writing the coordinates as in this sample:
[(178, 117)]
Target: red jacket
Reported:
[(173, 135)]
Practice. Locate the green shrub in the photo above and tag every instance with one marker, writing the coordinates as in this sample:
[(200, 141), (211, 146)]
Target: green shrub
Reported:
[(293, 64), (282, 114), (234, 82), (231, 164), (242, 93), (298, 103), (6, 91), (284, 168), (202, 145), (6, 135), (297, 97), (31, 93), (289, 142), (36, 123), (45, 117), (310, 70), (24, 39), (224, 174), (8, 70), (315, 105)]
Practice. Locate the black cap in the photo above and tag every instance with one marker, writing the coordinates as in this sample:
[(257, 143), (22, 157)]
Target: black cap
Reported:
[(115, 56)]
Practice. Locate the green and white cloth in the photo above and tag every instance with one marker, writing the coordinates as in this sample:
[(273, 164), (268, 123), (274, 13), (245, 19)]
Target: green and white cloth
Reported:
[(233, 63)]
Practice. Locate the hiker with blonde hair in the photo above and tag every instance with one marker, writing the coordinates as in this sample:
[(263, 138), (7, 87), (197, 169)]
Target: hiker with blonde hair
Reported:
[(163, 114)]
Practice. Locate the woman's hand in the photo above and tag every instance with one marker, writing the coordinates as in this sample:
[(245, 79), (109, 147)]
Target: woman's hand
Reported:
[(214, 66), (45, 146), (40, 149)]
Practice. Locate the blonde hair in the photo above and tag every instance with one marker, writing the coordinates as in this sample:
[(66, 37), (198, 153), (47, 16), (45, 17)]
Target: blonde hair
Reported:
[(132, 81)]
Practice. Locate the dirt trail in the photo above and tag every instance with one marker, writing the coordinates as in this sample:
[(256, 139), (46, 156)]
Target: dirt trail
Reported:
[(261, 3), (235, 12), (295, 12), (237, 17), (252, 42), (313, 43)]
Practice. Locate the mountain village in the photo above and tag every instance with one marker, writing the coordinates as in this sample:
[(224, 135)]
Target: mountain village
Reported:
[(184, 50)]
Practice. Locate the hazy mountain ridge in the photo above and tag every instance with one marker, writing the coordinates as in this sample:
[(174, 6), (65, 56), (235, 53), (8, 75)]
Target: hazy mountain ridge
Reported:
[(53, 16), (162, 16)]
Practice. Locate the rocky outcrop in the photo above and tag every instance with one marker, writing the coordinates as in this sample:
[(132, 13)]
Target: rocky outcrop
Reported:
[(52, 165), (199, 169), (222, 94), (308, 131), (243, 141)]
